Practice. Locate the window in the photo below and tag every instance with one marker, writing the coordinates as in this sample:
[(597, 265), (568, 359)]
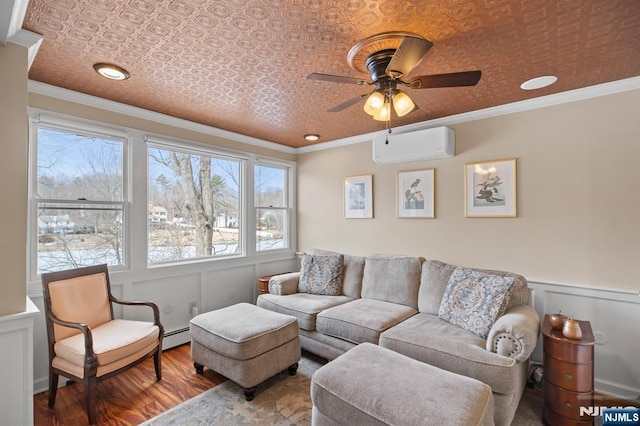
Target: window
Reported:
[(194, 204), (271, 202), (80, 197), (101, 193)]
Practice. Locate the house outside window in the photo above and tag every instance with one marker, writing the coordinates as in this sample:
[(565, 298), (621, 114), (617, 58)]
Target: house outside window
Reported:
[(80, 198)]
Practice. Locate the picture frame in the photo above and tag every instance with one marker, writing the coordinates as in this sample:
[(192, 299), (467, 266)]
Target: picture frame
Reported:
[(416, 194), (358, 197), (490, 188)]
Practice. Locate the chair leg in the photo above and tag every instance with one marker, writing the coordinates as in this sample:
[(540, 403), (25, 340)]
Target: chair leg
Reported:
[(53, 386), (157, 362), (91, 395)]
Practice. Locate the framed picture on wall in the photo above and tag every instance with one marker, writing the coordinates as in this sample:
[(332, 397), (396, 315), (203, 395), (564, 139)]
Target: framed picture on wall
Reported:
[(358, 197), (415, 194), (490, 188)]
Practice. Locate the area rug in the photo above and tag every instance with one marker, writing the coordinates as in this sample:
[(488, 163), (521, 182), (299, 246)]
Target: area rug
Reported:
[(281, 400)]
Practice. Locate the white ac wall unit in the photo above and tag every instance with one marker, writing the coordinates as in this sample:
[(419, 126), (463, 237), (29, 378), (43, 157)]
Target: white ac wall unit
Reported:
[(428, 144)]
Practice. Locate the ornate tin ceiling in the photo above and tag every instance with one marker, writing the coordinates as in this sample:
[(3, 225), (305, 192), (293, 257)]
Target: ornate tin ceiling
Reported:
[(240, 65)]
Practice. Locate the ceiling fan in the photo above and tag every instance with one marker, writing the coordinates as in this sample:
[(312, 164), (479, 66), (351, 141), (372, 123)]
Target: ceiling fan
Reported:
[(388, 58)]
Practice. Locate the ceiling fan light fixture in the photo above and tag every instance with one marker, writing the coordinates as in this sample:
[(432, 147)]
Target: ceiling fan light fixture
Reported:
[(375, 103), (384, 114), (402, 104), (111, 71)]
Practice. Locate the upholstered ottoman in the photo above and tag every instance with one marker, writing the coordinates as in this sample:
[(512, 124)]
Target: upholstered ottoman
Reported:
[(245, 343), (370, 385)]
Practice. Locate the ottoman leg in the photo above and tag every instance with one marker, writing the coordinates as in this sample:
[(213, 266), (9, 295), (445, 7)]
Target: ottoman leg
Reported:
[(199, 368), (249, 393), (292, 369)]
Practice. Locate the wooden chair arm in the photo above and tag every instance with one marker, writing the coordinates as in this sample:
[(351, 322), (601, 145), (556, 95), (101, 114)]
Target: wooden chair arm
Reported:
[(84, 329), (153, 306)]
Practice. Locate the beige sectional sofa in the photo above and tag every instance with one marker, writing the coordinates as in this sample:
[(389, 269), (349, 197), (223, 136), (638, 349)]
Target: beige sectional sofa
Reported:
[(399, 302)]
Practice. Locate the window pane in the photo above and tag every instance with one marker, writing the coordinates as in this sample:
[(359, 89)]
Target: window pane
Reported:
[(269, 186), (270, 232), (72, 167), (73, 236), (194, 206)]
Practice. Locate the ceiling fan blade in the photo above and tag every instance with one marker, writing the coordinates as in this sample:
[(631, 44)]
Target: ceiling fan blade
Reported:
[(407, 56), (454, 79), (336, 78), (347, 104)]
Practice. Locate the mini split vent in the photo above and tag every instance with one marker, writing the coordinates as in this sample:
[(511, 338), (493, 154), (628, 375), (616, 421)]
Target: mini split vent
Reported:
[(429, 144)]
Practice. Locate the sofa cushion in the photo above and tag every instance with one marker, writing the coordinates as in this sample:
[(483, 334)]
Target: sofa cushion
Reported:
[(351, 274), (321, 275), (394, 279), (303, 306), (433, 281), (361, 320), (429, 339), (435, 277), (473, 300)]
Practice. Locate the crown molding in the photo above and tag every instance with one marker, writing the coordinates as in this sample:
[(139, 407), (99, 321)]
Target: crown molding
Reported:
[(526, 105), (520, 106), (117, 107)]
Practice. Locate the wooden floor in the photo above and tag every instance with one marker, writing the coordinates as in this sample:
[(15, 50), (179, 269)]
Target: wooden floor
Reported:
[(134, 396), (131, 397)]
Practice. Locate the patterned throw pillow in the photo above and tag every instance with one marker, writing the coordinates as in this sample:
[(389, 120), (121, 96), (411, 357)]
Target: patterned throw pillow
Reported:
[(473, 300), (321, 275)]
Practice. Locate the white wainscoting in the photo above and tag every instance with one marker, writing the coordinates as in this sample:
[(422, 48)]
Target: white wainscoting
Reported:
[(615, 320), (210, 285), (16, 367)]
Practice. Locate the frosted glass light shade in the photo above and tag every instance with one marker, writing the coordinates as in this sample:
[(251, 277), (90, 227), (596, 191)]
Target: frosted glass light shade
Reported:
[(374, 103), (385, 113), (402, 104)]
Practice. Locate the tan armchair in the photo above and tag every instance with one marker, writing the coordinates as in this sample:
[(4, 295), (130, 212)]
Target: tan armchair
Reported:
[(86, 343)]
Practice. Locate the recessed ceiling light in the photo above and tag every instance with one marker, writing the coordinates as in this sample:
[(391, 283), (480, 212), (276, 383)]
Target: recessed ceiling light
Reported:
[(311, 137), (539, 82), (111, 71)]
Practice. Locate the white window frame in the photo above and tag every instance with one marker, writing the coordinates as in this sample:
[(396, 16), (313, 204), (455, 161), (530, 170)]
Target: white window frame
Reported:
[(193, 148), (135, 197), (290, 225), (38, 120)]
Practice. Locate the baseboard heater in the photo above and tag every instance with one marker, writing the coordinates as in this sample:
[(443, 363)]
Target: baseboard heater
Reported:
[(173, 333), (176, 338)]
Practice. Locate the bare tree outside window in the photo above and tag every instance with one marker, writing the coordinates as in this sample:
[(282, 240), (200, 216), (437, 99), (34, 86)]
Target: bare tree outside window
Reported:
[(80, 200), (194, 205)]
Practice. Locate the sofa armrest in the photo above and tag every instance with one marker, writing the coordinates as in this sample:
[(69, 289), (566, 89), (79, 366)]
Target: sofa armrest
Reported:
[(284, 284), (515, 334)]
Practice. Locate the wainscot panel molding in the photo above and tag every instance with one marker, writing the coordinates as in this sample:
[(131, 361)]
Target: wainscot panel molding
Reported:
[(208, 285), (615, 320), (16, 366)]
